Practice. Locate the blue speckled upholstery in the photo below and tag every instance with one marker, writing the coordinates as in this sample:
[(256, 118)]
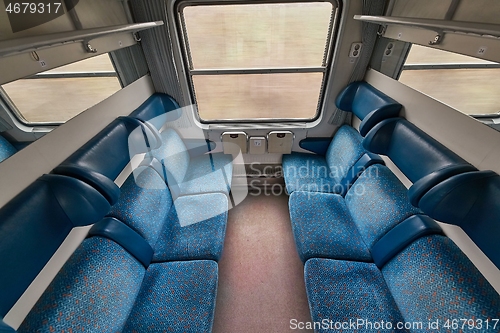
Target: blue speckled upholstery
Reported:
[(6, 149), (377, 202), (181, 239), (176, 297), (344, 151), (144, 203), (328, 226), (316, 173), (174, 155), (203, 174), (323, 228), (208, 173), (93, 292), (102, 288), (343, 291), (192, 227), (308, 172), (433, 278)]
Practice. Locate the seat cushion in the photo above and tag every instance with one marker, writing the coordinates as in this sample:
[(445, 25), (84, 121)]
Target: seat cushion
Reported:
[(377, 202), (322, 227), (144, 203), (345, 292), (176, 297), (94, 291), (195, 229), (207, 174), (433, 278), (308, 172), (346, 148)]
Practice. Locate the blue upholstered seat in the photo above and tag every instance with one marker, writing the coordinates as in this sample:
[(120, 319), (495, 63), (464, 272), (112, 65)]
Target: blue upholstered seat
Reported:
[(471, 201), (186, 175), (370, 105), (103, 288), (35, 223), (191, 227), (429, 280), (345, 157), (329, 226), (195, 228), (422, 159), (6, 149), (103, 158), (316, 173)]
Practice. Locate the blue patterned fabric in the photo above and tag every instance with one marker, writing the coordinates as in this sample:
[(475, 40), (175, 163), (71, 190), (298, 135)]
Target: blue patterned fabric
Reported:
[(144, 203), (346, 148), (174, 155), (176, 297), (94, 291), (203, 174), (323, 228), (6, 149), (316, 173), (308, 172), (198, 234), (377, 202), (433, 280), (343, 291), (208, 173)]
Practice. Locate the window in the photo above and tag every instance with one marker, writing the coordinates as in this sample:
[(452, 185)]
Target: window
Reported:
[(257, 62), (58, 95), (467, 84)]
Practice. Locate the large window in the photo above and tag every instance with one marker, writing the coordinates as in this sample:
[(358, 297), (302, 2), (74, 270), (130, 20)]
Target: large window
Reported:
[(257, 62), (58, 95), (467, 84)]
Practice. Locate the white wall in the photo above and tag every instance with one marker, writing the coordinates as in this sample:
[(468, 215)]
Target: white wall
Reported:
[(473, 141), (46, 153)]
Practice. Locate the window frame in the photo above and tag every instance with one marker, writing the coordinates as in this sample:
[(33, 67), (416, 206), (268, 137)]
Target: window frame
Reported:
[(186, 60), (446, 66), (17, 114)]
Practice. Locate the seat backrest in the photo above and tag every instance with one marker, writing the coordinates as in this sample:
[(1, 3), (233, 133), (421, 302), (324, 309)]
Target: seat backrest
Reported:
[(368, 104), (377, 202), (433, 280), (6, 149), (35, 223), (472, 201), (103, 158), (422, 159), (343, 152), (174, 156), (144, 203), (157, 110)]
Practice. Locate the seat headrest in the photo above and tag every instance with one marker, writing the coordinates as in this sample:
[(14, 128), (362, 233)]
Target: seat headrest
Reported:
[(157, 110), (422, 159), (401, 236), (110, 150), (35, 223), (125, 236), (368, 104), (471, 201)]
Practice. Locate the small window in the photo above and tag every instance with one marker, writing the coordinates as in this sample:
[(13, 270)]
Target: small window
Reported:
[(58, 95), (257, 62), (467, 84)]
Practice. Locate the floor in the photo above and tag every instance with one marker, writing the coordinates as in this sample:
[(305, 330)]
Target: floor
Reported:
[(261, 280)]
